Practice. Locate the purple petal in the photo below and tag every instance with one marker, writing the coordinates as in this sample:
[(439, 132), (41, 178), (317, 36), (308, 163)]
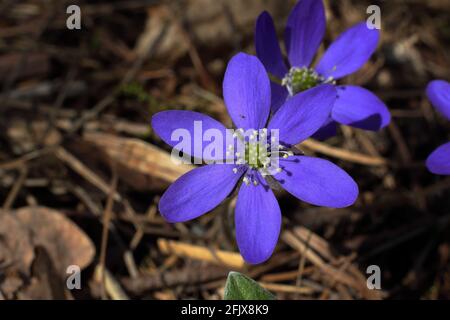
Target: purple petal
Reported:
[(349, 51), (279, 96), (438, 91), (317, 182), (258, 222), (267, 46), (303, 114), (246, 90), (328, 130), (360, 108), (198, 191), (168, 123), (304, 31), (438, 161)]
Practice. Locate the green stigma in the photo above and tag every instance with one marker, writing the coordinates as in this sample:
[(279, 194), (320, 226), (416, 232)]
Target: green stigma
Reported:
[(256, 155), (301, 79)]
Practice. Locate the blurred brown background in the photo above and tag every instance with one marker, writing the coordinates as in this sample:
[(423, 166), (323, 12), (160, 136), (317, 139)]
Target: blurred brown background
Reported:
[(81, 171)]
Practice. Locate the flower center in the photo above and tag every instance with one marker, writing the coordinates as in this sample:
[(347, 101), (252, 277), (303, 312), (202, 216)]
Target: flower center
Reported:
[(256, 154), (260, 151), (301, 79)]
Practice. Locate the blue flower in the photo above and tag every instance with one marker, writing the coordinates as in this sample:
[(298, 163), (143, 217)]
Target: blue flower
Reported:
[(438, 92), (247, 95), (304, 31)]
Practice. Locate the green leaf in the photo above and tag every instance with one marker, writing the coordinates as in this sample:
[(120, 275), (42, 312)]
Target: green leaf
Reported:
[(241, 287)]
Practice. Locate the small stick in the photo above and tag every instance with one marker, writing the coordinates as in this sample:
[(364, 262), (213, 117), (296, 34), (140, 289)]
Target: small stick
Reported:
[(111, 285), (219, 257), (17, 163), (130, 264), (15, 188), (405, 153), (286, 288), (106, 220), (301, 265), (285, 276), (315, 259), (185, 276), (343, 154), (84, 171)]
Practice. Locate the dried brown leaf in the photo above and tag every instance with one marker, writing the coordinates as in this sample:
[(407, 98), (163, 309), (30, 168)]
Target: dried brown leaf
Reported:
[(64, 241), (16, 248), (211, 23), (139, 164)]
